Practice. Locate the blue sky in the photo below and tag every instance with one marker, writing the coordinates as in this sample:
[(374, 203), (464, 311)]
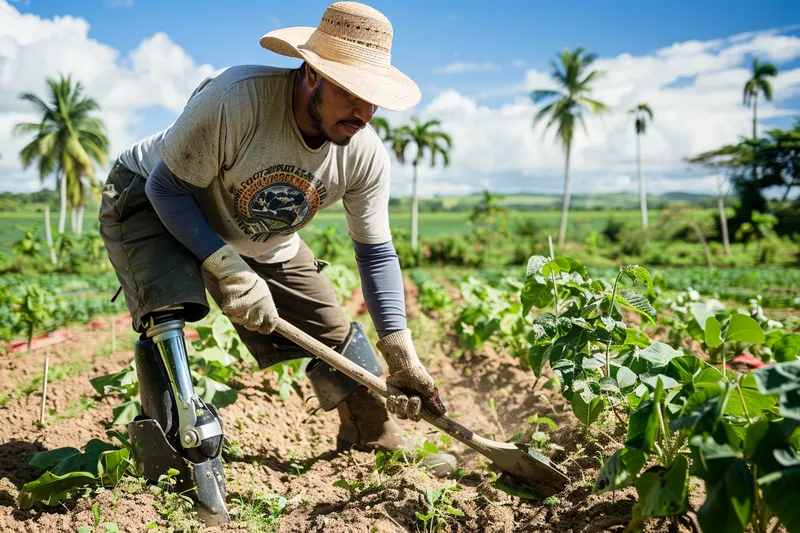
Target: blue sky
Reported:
[(475, 59)]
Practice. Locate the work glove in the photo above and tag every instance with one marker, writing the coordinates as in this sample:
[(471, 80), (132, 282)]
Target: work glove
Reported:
[(407, 374), (246, 298)]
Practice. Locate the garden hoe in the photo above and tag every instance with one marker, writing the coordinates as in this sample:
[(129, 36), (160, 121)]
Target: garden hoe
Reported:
[(531, 469)]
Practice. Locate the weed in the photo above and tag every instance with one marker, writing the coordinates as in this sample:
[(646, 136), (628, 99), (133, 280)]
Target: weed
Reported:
[(260, 512), (438, 509)]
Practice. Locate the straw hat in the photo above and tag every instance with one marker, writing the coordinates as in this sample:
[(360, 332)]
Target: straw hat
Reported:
[(352, 47)]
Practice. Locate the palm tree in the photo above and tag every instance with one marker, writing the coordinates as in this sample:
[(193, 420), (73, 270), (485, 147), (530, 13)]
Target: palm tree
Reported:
[(381, 127), (572, 75), (643, 113), (428, 140), (66, 141), (759, 84)]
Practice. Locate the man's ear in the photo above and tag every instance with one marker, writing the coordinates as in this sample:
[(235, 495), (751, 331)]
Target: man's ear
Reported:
[(312, 76)]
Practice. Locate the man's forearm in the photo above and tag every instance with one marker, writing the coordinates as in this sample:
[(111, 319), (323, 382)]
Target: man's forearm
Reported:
[(382, 284), (173, 201)]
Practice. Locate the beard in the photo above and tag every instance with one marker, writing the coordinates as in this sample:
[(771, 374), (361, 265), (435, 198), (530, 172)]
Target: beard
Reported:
[(314, 105)]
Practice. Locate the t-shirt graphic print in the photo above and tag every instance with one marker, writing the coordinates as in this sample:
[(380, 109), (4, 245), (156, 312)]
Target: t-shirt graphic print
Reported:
[(278, 200)]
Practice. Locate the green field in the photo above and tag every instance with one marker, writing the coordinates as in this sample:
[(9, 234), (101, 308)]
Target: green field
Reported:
[(431, 224)]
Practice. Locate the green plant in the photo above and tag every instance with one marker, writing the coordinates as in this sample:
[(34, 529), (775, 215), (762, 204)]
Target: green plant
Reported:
[(439, 509), (33, 309)]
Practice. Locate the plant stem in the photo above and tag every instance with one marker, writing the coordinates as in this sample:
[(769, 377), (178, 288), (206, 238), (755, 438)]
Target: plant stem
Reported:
[(553, 275), (667, 445), (44, 388), (610, 309)]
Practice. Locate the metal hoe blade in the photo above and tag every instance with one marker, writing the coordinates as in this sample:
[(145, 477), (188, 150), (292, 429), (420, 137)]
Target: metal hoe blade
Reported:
[(530, 468)]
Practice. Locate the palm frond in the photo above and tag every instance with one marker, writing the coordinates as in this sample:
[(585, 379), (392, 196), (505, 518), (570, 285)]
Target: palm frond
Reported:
[(543, 94)]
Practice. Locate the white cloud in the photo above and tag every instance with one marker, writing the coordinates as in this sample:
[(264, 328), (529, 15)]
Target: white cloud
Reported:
[(496, 147), (156, 73), (466, 66)]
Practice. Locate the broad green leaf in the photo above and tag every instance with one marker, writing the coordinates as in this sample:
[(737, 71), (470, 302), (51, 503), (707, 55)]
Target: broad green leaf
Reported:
[(729, 499), (537, 358), (535, 264), (666, 381), (587, 406), (536, 292), (545, 326), (125, 412), (430, 447), (49, 459), (592, 363), (635, 301), (778, 378), (214, 392), (125, 381), (112, 466), (625, 378), (51, 488), (664, 493), (786, 348), (713, 330), (685, 368), (745, 329), (643, 427), (702, 310), (780, 493), (790, 404), (756, 404), (653, 359), (636, 338), (64, 460), (620, 470), (768, 445), (640, 275), (609, 385)]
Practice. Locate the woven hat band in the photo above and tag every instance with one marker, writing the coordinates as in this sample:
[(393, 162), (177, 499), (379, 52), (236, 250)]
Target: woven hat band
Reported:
[(349, 53)]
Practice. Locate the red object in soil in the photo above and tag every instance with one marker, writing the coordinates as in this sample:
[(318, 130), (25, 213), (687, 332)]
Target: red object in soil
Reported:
[(40, 341), (749, 360)]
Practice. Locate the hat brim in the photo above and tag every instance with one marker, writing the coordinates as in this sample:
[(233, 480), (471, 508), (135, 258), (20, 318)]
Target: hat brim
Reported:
[(390, 89)]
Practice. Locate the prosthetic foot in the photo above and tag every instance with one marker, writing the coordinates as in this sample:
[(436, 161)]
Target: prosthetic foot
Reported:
[(366, 424), (177, 429)]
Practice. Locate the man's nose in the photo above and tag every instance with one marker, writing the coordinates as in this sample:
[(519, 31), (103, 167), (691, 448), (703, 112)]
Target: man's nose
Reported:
[(364, 111)]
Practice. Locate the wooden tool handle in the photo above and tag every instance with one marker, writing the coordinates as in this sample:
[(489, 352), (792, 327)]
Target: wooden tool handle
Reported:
[(379, 386)]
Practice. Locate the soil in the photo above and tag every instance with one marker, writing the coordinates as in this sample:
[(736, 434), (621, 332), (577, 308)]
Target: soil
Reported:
[(288, 448)]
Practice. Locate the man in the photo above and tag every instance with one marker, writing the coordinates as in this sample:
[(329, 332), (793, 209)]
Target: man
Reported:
[(215, 202)]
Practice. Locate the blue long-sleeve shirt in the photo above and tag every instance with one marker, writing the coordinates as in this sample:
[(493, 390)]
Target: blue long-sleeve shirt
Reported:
[(378, 264)]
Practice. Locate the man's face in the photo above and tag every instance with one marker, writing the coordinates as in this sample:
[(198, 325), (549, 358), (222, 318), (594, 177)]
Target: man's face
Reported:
[(337, 114)]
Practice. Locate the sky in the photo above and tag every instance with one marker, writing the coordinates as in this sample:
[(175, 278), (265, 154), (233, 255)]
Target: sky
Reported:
[(475, 62)]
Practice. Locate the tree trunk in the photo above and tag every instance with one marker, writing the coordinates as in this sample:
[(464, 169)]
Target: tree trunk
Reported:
[(755, 115), (48, 235), (414, 210), (642, 192), (723, 222), (702, 239), (73, 220), (562, 232), (79, 217), (62, 214)]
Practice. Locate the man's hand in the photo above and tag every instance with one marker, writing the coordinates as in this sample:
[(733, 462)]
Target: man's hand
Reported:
[(407, 374), (246, 299)]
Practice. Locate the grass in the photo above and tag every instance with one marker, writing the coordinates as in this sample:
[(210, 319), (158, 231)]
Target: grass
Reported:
[(431, 224)]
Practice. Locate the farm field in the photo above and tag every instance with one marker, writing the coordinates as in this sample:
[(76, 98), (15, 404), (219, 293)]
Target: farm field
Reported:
[(432, 224), (283, 473)]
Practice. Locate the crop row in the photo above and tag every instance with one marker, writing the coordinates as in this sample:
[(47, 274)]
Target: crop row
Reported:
[(685, 415)]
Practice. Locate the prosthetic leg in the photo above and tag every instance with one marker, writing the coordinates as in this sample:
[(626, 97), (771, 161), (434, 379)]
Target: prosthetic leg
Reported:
[(177, 429)]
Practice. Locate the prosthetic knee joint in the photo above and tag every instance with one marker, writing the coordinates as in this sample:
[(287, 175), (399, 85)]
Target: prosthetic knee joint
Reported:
[(177, 429)]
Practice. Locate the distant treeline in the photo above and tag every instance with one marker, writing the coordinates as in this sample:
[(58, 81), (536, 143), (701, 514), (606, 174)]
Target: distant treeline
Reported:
[(10, 202), (543, 202)]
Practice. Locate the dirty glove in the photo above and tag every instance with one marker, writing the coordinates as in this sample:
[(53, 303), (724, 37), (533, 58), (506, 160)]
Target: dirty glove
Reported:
[(246, 299), (407, 374)]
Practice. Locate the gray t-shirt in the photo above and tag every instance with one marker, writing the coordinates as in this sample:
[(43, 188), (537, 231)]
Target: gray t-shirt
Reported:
[(237, 138)]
